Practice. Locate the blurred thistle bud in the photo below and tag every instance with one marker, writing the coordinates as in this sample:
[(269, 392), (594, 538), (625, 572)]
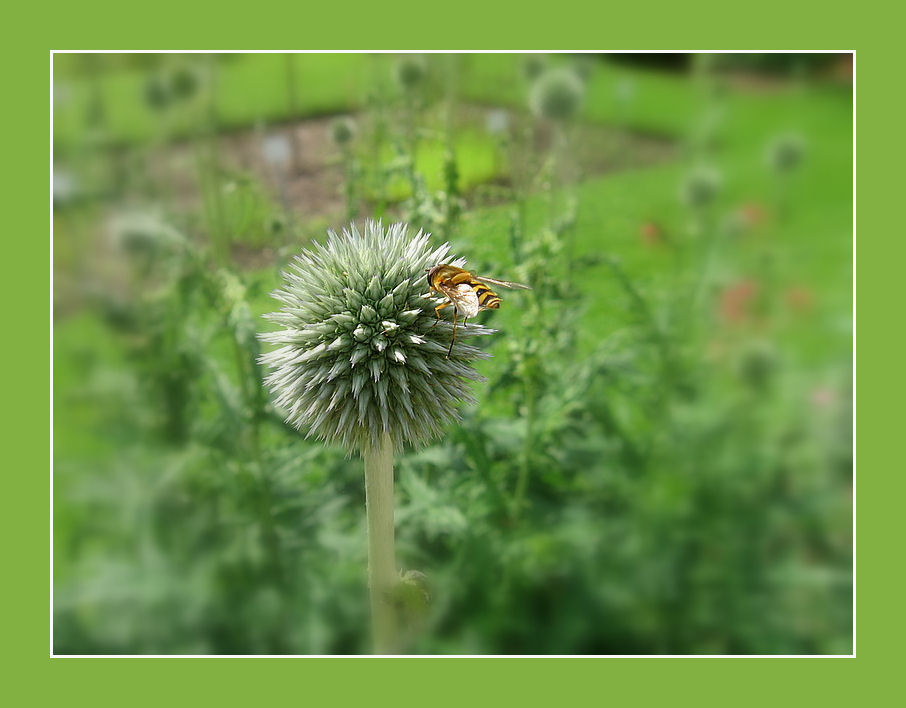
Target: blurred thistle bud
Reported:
[(157, 93), (533, 65), (144, 236), (557, 95), (412, 595), (65, 186), (342, 130), (497, 122), (758, 364), (584, 66), (361, 353), (700, 187), (410, 72), (276, 224), (785, 152), (276, 150), (184, 83)]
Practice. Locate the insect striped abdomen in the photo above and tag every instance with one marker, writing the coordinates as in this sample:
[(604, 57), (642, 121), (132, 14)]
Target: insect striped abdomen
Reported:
[(487, 298)]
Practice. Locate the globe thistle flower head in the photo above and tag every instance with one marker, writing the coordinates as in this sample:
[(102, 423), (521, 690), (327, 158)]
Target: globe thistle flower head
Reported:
[(497, 122), (533, 65), (65, 185), (157, 93), (144, 235), (276, 150), (584, 67), (342, 131), (785, 152), (184, 82), (700, 187), (557, 94), (409, 72), (360, 352), (758, 365)]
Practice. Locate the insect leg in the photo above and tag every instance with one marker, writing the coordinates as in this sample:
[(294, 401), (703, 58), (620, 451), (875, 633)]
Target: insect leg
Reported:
[(453, 339), (437, 311)]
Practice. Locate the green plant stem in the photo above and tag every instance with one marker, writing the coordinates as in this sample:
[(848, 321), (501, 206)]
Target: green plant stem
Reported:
[(708, 260), (531, 400), (293, 106), (382, 572)]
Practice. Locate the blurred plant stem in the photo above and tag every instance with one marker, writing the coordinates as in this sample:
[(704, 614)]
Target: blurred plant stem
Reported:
[(451, 201), (378, 135), (411, 138), (351, 174), (212, 197), (382, 573), (293, 106), (209, 169), (528, 450), (709, 254)]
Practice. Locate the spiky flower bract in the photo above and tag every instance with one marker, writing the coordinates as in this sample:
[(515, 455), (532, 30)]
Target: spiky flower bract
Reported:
[(785, 152), (557, 94), (343, 131), (700, 187), (410, 71), (533, 65), (361, 352)]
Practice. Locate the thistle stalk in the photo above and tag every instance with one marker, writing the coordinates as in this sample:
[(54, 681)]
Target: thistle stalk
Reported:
[(382, 571), (361, 361)]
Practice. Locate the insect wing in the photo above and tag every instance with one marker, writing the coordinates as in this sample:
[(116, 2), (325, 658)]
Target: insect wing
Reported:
[(502, 283), (464, 299)]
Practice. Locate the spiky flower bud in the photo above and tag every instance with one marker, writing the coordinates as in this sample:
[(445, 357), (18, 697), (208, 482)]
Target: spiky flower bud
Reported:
[(758, 364), (157, 94), (277, 150), (409, 72), (361, 352), (144, 234), (184, 82), (343, 131), (700, 187), (557, 94), (785, 152), (532, 66)]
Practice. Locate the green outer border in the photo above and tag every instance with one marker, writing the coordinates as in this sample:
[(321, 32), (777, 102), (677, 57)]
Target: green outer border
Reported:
[(430, 681)]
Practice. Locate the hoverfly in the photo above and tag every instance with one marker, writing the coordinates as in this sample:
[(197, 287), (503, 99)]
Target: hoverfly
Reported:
[(468, 293)]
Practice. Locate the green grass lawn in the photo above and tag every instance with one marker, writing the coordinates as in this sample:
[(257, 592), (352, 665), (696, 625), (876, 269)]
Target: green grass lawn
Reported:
[(247, 90)]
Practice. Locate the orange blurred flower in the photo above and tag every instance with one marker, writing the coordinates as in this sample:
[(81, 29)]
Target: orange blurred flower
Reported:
[(800, 299), (753, 214), (823, 397), (652, 234), (736, 301)]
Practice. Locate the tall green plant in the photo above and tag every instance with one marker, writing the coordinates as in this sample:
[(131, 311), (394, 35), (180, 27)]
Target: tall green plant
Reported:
[(362, 363)]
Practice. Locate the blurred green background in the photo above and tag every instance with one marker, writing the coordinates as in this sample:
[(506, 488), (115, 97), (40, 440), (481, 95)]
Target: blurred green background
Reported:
[(661, 458)]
